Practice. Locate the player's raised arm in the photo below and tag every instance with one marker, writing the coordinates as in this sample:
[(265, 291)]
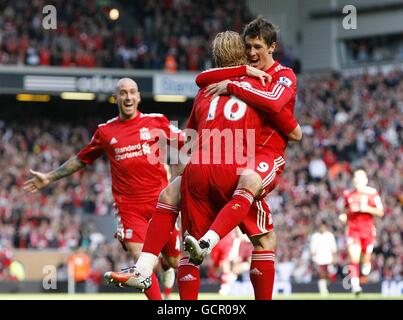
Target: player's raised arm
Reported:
[(295, 134), (86, 156), (41, 180), (216, 75), (376, 211), (271, 100), (287, 124)]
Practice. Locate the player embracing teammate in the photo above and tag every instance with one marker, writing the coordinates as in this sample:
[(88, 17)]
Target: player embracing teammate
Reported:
[(246, 206)]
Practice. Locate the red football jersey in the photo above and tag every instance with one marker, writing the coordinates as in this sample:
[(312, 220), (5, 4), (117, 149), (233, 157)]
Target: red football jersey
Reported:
[(128, 145), (278, 100), (232, 121), (353, 199)]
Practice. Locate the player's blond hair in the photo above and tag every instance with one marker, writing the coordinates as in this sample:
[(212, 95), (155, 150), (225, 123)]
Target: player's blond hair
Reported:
[(229, 49)]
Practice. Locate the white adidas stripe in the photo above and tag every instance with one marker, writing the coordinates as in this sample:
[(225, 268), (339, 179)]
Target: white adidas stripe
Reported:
[(278, 90), (267, 259), (273, 91), (167, 207), (269, 178), (263, 257), (263, 94), (277, 163), (261, 217), (245, 195)]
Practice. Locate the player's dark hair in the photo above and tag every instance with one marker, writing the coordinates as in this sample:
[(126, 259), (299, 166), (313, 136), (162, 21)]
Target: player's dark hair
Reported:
[(262, 29)]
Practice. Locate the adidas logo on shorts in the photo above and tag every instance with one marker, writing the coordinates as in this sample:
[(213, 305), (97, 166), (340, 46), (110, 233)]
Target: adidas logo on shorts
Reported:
[(188, 277)]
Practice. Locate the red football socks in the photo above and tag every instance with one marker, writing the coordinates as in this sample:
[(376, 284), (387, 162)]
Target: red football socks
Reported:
[(154, 292), (262, 274), (160, 228), (167, 292), (354, 270), (188, 280), (233, 212)]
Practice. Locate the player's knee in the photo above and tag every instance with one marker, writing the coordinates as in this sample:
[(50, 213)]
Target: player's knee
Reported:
[(354, 253), (251, 181), (170, 195), (266, 241), (134, 249), (173, 262)]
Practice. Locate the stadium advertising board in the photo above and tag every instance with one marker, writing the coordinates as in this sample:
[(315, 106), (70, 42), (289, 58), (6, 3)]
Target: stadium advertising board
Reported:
[(175, 84), (56, 80), (98, 81)]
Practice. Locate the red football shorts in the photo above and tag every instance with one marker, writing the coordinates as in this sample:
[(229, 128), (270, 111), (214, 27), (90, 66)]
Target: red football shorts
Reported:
[(259, 219), (269, 167), (364, 237), (205, 189), (133, 219)]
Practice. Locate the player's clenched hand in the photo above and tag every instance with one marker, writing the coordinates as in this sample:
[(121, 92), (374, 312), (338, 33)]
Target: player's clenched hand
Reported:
[(39, 181), (216, 89), (264, 77)]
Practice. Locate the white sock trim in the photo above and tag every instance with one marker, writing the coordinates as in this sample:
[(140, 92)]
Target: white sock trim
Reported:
[(212, 237)]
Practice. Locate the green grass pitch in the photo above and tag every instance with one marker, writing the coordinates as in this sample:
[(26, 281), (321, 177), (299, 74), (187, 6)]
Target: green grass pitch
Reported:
[(202, 296)]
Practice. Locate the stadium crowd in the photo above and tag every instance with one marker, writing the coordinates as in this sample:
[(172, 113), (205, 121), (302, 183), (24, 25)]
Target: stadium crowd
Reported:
[(348, 122), (170, 34)]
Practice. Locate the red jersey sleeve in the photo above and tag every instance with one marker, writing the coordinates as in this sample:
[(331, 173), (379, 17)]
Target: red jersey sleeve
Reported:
[(285, 121), (172, 132), (92, 150), (218, 74), (271, 100)]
